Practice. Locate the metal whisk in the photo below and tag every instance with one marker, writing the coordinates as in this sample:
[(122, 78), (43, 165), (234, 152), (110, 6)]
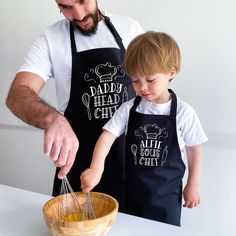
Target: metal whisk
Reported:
[(69, 207), (88, 212)]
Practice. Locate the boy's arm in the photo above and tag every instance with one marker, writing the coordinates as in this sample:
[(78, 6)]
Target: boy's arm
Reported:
[(91, 177), (191, 191)]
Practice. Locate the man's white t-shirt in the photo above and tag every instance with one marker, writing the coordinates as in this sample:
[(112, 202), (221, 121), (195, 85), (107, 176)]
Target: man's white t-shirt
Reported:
[(189, 128), (50, 54)]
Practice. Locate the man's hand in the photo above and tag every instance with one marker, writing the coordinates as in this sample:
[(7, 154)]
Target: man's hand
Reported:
[(61, 144)]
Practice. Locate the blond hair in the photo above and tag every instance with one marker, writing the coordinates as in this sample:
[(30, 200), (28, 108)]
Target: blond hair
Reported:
[(152, 53)]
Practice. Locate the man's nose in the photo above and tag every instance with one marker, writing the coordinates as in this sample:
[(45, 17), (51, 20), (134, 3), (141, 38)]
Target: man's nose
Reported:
[(79, 12)]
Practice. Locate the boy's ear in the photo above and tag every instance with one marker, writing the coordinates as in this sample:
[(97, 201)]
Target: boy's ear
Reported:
[(172, 73)]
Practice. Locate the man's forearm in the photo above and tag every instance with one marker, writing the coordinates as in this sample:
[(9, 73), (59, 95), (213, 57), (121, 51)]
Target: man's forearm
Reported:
[(29, 107), (60, 142)]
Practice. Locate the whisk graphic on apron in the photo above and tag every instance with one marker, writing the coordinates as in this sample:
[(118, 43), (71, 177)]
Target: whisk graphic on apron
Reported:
[(86, 102)]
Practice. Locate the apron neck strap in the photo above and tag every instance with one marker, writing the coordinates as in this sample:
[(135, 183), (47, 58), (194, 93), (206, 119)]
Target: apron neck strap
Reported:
[(136, 102), (110, 27), (132, 110), (72, 40), (114, 32), (173, 103)]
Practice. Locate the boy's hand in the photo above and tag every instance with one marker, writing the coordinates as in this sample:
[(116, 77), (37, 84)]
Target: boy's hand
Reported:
[(89, 179), (191, 196)]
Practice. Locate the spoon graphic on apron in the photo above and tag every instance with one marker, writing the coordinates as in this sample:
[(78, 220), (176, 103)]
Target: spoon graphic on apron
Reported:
[(86, 102)]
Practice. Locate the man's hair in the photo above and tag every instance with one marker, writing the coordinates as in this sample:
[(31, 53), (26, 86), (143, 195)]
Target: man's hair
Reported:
[(151, 53)]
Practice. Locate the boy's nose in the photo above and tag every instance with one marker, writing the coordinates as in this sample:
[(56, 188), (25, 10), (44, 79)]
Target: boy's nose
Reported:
[(143, 87)]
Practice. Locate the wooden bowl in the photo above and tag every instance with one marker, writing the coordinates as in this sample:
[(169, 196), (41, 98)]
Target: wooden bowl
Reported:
[(105, 208)]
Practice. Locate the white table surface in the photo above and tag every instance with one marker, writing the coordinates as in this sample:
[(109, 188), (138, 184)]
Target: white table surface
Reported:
[(21, 215)]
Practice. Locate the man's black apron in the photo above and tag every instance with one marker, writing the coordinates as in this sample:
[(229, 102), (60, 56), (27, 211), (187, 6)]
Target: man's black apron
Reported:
[(154, 166), (99, 86)]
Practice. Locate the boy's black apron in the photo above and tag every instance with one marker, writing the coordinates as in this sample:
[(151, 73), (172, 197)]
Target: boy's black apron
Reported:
[(154, 166), (99, 86)]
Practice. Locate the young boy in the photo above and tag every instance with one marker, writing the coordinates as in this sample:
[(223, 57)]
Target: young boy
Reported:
[(159, 129)]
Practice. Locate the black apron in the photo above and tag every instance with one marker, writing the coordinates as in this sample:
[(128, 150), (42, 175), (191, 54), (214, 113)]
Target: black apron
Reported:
[(99, 86), (154, 166)]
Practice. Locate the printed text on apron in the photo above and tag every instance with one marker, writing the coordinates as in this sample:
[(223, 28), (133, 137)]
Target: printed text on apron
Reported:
[(99, 86), (154, 166)]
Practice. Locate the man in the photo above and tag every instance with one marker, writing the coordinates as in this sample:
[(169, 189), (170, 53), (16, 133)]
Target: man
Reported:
[(84, 53)]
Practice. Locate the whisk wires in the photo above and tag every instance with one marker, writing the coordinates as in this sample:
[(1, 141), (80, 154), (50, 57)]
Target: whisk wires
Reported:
[(69, 207), (88, 212)]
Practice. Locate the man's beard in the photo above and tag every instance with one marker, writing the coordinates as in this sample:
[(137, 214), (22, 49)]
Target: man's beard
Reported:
[(92, 28)]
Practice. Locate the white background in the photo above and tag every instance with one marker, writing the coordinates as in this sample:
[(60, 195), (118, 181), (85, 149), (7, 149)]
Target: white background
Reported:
[(206, 34)]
